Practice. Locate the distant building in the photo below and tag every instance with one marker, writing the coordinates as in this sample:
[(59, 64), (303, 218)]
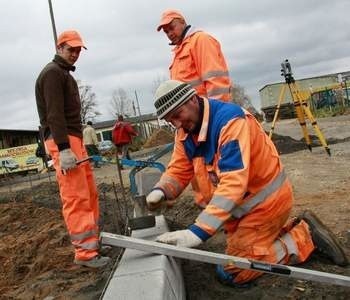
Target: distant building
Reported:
[(144, 125), (17, 137)]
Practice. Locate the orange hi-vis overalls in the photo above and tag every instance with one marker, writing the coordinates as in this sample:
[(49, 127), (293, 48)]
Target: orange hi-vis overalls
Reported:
[(79, 200), (241, 186), (199, 61)]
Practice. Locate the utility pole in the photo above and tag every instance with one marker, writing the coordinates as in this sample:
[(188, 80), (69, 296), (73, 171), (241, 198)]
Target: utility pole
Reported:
[(138, 105), (133, 108), (53, 24), (143, 131), (346, 90)]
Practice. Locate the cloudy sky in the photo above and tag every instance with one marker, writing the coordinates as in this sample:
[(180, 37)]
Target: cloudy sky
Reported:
[(125, 50)]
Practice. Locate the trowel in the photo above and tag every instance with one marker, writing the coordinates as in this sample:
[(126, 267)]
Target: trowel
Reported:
[(142, 216)]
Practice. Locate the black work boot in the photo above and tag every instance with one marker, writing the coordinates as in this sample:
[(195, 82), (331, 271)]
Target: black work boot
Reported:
[(325, 241)]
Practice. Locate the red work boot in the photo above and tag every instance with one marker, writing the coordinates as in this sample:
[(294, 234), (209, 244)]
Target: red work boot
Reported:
[(325, 241)]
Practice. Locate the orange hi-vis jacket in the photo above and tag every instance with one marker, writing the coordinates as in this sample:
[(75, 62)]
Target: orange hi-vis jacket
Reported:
[(236, 166), (199, 61), (241, 185)]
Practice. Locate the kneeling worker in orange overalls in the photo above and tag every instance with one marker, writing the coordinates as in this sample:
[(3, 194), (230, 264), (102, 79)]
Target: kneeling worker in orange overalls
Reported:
[(242, 186)]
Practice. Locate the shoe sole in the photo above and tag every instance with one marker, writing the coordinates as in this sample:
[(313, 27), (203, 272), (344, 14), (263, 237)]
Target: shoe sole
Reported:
[(90, 264), (325, 240)]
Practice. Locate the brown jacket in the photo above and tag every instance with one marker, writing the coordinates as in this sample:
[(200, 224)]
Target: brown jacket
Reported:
[(58, 102)]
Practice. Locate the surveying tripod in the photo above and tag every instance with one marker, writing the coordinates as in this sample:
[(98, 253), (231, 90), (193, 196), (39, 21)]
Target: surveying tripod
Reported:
[(301, 107)]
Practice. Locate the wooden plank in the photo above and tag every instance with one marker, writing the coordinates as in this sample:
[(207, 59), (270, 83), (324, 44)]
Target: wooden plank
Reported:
[(222, 259)]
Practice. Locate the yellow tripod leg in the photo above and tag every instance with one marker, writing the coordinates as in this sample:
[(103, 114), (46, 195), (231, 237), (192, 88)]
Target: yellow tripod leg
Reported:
[(281, 96), (316, 128), (297, 101)]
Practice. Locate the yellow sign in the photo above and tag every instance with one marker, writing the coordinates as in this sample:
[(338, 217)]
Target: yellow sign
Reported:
[(19, 159)]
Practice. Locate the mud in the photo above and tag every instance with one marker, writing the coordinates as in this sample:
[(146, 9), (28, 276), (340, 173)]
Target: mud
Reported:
[(36, 257)]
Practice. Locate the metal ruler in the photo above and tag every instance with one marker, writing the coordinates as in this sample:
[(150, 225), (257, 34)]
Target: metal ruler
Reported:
[(222, 259)]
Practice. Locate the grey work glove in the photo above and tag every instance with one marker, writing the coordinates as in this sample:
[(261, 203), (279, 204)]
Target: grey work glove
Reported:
[(183, 238), (67, 160), (154, 199)]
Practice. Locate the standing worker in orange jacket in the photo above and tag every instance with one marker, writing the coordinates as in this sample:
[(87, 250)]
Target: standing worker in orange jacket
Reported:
[(198, 59), (58, 104), (242, 187)]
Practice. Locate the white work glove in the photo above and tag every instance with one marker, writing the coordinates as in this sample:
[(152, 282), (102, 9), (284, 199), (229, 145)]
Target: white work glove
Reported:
[(154, 199), (67, 159), (183, 238)]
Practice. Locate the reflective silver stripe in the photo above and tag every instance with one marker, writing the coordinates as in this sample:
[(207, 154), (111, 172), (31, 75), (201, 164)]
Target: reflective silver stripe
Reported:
[(290, 244), (279, 250), (218, 91), (195, 82), (240, 211), (207, 76), (210, 220), (82, 236), (168, 180), (211, 74), (88, 246), (223, 203)]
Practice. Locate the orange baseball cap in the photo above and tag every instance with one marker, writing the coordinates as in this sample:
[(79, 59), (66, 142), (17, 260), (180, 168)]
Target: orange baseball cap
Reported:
[(72, 38), (168, 16)]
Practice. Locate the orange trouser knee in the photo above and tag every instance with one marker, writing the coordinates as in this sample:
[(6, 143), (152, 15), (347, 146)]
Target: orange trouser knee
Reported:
[(254, 241), (254, 234), (265, 243), (79, 200)]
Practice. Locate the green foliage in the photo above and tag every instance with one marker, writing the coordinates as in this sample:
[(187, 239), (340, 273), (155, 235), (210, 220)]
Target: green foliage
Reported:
[(331, 111)]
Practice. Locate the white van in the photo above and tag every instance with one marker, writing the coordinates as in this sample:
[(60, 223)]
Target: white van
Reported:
[(8, 163)]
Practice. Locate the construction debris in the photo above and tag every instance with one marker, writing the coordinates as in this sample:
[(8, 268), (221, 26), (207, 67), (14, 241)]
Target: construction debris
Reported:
[(159, 137)]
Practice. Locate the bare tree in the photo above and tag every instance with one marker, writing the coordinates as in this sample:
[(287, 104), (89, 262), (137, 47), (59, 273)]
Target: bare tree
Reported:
[(121, 103), (157, 81), (240, 98), (88, 103)]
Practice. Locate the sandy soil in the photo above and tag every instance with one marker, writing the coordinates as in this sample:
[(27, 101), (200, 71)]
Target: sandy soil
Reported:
[(36, 255)]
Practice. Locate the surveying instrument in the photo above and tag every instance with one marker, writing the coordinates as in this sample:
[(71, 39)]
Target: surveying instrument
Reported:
[(301, 106)]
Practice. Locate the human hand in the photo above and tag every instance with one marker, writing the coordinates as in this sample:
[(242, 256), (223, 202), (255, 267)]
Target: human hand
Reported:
[(67, 159), (154, 199), (184, 238)]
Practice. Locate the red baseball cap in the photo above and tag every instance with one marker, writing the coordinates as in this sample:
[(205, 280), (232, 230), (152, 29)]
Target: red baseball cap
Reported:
[(168, 16), (72, 38)]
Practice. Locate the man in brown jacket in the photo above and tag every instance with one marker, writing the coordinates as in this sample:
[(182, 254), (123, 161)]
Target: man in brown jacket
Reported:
[(58, 104)]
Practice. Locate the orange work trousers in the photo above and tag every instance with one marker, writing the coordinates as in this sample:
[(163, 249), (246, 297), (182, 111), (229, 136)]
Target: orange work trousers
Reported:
[(265, 234), (79, 198)]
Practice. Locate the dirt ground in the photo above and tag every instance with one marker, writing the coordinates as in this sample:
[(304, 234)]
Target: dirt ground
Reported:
[(36, 255)]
